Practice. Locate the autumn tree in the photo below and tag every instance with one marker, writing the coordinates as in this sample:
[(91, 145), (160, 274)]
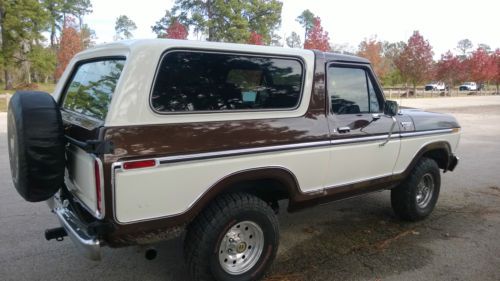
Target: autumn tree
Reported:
[(176, 31), (482, 67), (415, 62), (391, 51), (317, 38), (293, 41), (59, 10), (450, 69), (496, 76), (70, 45), (255, 38), (371, 49), (124, 27), (226, 21), (306, 19)]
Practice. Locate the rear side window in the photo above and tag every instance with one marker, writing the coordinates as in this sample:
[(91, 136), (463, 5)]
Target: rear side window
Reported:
[(91, 87), (196, 82)]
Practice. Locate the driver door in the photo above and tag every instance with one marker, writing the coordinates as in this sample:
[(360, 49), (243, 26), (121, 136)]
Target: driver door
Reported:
[(359, 130)]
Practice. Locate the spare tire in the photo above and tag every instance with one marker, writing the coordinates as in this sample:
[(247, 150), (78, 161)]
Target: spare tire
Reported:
[(36, 145)]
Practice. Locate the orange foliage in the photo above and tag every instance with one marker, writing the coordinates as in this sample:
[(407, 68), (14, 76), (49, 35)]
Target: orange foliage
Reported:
[(371, 49), (317, 38), (71, 43)]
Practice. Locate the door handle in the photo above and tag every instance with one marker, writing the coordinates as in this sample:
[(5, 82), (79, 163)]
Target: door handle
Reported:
[(343, 130)]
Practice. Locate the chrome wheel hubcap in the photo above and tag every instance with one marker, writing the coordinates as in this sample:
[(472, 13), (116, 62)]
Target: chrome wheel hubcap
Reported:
[(425, 189), (241, 247)]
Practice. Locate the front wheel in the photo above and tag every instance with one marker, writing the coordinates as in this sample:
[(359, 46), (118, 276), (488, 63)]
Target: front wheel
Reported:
[(235, 238), (416, 197)]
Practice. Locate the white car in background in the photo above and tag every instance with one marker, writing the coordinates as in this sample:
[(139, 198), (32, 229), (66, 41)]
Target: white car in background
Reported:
[(468, 86), (435, 86)]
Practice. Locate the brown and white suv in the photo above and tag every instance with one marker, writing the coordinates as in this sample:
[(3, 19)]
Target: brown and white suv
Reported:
[(146, 140)]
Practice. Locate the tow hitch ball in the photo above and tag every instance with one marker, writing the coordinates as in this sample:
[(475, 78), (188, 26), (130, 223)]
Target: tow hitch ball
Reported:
[(57, 233)]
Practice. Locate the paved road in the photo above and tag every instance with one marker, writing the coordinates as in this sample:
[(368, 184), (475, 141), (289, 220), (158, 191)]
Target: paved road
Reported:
[(356, 239)]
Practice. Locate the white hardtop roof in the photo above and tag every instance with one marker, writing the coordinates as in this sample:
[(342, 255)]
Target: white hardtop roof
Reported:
[(163, 44)]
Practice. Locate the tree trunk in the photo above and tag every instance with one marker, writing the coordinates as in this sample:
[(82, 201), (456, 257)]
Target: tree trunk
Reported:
[(415, 89), (210, 27), (9, 84)]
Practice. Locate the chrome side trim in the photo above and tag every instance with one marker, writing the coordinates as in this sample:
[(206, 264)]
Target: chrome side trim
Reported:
[(424, 133), (362, 139), (236, 152), (275, 148), (88, 245), (347, 183)]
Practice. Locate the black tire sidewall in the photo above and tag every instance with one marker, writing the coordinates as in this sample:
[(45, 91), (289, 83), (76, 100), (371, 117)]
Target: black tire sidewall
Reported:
[(268, 252), (35, 129), (404, 196), (434, 172), (14, 129)]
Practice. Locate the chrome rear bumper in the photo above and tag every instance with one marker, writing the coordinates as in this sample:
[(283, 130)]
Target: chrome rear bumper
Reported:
[(89, 245)]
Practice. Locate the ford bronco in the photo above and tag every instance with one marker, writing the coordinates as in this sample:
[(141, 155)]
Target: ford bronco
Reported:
[(147, 140)]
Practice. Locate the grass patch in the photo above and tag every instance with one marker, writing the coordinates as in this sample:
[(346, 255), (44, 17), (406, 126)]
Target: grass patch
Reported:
[(49, 88)]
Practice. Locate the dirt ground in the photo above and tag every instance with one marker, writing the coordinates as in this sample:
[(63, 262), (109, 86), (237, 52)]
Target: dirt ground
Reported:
[(355, 239)]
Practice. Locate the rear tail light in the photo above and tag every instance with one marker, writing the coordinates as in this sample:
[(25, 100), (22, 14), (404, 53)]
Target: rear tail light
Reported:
[(98, 186), (139, 164)]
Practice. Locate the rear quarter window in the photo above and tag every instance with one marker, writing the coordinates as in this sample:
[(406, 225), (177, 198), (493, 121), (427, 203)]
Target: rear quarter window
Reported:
[(191, 81), (91, 87)]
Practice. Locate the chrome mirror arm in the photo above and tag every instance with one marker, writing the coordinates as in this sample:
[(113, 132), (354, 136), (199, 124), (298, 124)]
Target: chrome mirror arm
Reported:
[(394, 121)]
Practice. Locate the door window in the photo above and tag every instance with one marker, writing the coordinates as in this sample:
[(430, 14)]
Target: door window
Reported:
[(351, 91), (91, 87)]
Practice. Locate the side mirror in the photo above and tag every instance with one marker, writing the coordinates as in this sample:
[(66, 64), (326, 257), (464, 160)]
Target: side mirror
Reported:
[(391, 108)]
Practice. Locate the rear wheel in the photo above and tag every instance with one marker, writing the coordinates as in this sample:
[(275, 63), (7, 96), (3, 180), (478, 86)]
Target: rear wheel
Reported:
[(235, 238), (417, 196)]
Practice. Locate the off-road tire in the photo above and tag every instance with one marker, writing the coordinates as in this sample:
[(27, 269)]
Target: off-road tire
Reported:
[(404, 197), (206, 233), (36, 145)]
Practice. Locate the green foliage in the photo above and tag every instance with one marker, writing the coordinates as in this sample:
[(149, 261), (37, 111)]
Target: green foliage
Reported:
[(43, 61), (391, 78), (123, 27), (18, 33), (306, 19), (88, 36), (161, 26), (225, 20)]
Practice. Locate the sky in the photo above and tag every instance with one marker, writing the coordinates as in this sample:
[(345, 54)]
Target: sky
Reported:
[(442, 22)]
